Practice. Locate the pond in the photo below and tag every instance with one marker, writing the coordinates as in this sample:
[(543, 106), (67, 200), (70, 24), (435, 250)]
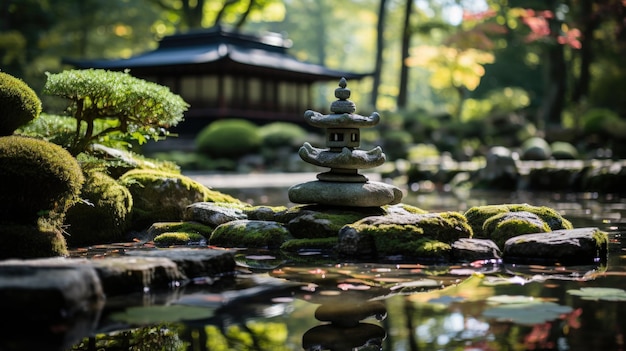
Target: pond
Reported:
[(328, 304)]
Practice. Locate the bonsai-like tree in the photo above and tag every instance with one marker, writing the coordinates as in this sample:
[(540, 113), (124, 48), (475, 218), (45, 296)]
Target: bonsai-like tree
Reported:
[(108, 104)]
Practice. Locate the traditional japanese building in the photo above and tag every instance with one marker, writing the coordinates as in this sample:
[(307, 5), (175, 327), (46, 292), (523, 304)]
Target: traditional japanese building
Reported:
[(223, 73)]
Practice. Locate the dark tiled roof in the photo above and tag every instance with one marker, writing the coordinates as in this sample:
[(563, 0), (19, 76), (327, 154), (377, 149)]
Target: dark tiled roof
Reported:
[(219, 47)]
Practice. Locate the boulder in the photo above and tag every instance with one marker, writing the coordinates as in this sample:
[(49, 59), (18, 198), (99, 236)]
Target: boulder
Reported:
[(470, 250), (416, 235), (568, 247), (213, 214), (506, 225), (250, 234)]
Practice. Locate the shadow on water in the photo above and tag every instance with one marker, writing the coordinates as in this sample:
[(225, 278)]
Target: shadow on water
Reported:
[(315, 302)]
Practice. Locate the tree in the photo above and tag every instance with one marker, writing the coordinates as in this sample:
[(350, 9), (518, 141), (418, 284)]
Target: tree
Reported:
[(378, 66), (406, 42), (126, 106)]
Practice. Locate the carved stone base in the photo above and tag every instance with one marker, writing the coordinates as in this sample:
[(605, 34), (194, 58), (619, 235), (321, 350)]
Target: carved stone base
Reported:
[(368, 194)]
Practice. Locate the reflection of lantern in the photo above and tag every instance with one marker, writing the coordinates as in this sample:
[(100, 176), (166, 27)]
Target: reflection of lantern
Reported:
[(345, 330), (343, 185)]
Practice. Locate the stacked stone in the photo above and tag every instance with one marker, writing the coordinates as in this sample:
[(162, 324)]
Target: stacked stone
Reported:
[(343, 185)]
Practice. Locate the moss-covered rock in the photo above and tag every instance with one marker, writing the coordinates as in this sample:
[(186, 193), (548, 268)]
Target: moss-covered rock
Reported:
[(250, 234), (37, 240), (322, 244), (162, 196), (118, 161), (103, 215), (418, 235), (314, 225), (19, 104), (503, 226), (159, 228), (477, 215), (37, 177), (214, 213), (178, 238), (265, 213)]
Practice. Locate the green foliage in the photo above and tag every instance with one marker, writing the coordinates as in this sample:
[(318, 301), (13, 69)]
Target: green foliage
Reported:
[(396, 144), (229, 138), (103, 214), (280, 134), (38, 177), (599, 121), (128, 106), (19, 104)]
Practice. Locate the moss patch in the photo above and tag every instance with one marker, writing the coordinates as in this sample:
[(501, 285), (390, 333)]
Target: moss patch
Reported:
[(324, 244), (476, 216), (250, 234), (31, 241), (504, 226), (161, 196), (177, 238)]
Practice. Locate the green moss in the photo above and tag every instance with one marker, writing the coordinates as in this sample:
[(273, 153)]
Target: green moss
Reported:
[(103, 215), (408, 208), (162, 196), (410, 245), (250, 234), (157, 229), (31, 241), (229, 138), (38, 177), (295, 245), (19, 104), (504, 226), (476, 216), (264, 213), (177, 238)]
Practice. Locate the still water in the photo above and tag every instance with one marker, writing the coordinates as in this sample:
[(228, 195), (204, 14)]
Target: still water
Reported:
[(315, 302)]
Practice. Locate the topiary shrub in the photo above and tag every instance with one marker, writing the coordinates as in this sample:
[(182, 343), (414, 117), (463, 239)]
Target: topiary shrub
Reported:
[(103, 215), (161, 196), (229, 138), (282, 134), (41, 239), (37, 177), (19, 104), (109, 105)]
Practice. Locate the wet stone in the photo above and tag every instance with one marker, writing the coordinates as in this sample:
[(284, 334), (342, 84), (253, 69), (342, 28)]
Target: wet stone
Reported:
[(569, 246), (469, 250), (213, 214)]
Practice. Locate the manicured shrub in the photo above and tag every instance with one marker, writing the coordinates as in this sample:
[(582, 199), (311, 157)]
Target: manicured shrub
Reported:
[(229, 138), (19, 104), (37, 177), (103, 215), (280, 134)]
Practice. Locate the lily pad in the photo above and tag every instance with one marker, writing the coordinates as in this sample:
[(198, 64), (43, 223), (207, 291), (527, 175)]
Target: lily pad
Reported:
[(161, 314), (595, 294), (528, 313)]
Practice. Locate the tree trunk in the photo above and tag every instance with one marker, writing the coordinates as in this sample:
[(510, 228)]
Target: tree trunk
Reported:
[(406, 42), (379, 52), (591, 22)]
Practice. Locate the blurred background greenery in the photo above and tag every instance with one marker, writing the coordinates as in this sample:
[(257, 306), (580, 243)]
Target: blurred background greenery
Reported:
[(459, 75)]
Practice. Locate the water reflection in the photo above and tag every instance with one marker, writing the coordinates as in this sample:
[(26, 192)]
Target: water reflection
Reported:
[(277, 304)]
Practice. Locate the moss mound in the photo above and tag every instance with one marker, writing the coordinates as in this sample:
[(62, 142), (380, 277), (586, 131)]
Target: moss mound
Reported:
[(189, 227), (26, 241), (178, 238), (161, 196), (38, 177), (477, 215), (250, 234), (103, 215), (506, 225), (19, 104), (281, 134)]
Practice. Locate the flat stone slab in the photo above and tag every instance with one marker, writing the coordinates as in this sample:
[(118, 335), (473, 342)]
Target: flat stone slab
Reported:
[(369, 194), (194, 263), (567, 246)]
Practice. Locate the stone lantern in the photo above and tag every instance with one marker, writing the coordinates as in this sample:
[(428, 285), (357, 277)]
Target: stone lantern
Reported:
[(342, 185)]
